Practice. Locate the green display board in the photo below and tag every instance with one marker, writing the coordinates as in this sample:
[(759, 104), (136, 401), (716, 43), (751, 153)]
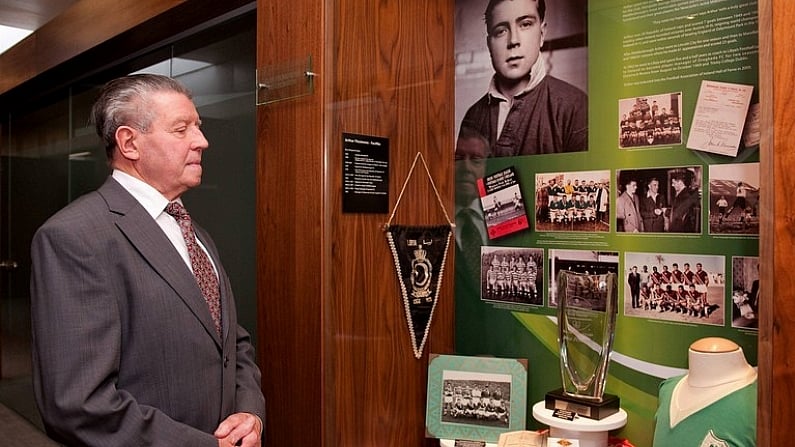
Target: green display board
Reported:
[(698, 60)]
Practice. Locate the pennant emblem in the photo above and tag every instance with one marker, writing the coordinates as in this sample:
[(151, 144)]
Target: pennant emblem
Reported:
[(419, 253)]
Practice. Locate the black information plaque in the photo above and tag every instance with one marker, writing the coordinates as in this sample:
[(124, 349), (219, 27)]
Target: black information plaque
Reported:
[(365, 174), (557, 400)]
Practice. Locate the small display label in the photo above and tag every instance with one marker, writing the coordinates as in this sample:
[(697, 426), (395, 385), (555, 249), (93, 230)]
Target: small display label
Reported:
[(365, 174)]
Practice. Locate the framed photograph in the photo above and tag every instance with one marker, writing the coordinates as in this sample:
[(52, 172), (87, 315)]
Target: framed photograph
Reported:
[(659, 200), (745, 292), (475, 398), (573, 201), (512, 275), (648, 121), (677, 287), (734, 199)]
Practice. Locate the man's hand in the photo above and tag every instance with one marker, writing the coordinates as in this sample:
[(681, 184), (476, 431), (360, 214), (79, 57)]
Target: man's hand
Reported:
[(239, 429)]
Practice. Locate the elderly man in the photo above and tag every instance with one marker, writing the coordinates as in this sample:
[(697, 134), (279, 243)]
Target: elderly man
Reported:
[(135, 334)]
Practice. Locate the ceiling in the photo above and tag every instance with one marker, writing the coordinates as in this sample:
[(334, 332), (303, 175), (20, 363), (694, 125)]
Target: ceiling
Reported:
[(30, 14), (19, 17)]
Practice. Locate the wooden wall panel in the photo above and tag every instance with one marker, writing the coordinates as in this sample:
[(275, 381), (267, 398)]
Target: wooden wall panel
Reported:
[(290, 229), (777, 237), (392, 78), (333, 332)]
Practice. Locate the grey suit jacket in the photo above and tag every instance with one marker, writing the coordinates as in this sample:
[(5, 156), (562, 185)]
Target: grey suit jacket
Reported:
[(628, 212), (124, 349)]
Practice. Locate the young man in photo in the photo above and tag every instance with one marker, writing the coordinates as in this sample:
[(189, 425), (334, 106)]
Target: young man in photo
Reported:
[(525, 111)]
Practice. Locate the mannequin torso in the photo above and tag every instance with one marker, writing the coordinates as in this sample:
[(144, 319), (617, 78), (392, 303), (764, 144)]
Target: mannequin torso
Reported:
[(717, 367), (714, 404)]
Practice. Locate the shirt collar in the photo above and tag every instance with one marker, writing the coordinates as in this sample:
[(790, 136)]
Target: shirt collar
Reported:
[(537, 73), (153, 202)]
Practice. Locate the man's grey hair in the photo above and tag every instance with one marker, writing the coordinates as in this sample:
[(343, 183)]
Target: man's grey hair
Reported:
[(125, 101)]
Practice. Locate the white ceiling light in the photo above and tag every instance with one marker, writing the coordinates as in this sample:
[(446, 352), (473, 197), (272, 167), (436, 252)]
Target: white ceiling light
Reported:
[(9, 36)]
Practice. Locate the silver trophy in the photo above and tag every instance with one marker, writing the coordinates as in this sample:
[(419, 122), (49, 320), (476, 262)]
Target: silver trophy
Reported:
[(587, 307)]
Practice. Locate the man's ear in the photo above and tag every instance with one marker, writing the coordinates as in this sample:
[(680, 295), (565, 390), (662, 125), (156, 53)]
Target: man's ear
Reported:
[(543, 33), (125, 142)]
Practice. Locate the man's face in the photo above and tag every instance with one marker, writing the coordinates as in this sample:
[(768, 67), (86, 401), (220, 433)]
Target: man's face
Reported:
[(170, 152), (654, 186), (515, 36), (470, 165), (631, 187), (678, 185)]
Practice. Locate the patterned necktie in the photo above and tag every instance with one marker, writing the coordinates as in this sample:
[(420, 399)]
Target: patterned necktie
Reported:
[(200, 262)]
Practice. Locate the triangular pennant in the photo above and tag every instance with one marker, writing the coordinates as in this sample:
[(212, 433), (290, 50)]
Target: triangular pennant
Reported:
[(420, 254)]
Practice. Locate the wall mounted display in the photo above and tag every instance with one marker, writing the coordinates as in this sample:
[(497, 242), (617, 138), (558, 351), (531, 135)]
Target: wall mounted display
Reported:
[(745, 292), (572, 201), (677, 287), (734, 199), (512, 275), (502, 202), (475, 398), (719, 117), (642, 207), (669, 174)]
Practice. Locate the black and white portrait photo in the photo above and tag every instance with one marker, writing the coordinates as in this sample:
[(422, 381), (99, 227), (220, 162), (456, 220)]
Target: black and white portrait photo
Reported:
[(521, 76)]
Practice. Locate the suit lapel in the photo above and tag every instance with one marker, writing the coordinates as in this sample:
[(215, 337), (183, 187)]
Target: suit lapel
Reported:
[(153, 245)]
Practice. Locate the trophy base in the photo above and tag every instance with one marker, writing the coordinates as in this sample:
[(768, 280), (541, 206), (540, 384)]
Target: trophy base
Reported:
[(559, 400)]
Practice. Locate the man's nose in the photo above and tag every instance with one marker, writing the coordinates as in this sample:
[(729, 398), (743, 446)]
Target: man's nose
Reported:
[(513, 38), (200, 141)]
